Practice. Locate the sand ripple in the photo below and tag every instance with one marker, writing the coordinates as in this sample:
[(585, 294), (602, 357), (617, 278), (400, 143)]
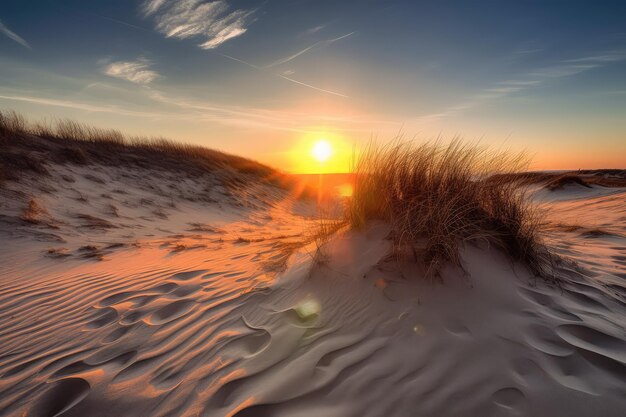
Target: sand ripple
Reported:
[(210, 332)]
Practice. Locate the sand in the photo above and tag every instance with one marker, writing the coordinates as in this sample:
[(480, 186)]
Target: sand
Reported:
[(145, 294)]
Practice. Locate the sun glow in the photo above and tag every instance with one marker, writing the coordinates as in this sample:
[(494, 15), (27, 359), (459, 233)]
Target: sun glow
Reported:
[(322, 150)]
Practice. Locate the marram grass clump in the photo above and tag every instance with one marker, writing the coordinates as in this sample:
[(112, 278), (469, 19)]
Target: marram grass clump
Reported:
[(437, 198)]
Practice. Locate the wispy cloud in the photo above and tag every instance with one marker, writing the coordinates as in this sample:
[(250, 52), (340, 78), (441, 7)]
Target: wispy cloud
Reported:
[(561, 69), (151, 6), (528, 51), (520, 83), (9, 33), (158, 104), (79, 106), (603, 58), (307, 49), (277, 119), (137, 72), (314, 29), (569, 67), (217, 23), (212, 20)]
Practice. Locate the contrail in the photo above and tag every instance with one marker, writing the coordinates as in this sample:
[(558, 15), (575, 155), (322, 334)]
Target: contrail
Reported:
[(17, 38), (239, 60), (289, 58), (256, 67), (313, 87), (308, 48)]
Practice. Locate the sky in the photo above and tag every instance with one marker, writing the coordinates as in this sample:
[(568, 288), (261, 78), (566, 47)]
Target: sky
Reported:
[(267, 79)]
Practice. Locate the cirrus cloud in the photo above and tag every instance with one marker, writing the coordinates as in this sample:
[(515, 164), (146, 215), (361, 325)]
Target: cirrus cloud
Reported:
[(12, 35), (137, 72), (213, 21)]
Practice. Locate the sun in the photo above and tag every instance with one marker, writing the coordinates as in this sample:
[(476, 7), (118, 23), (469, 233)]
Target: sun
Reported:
[(322, 150)]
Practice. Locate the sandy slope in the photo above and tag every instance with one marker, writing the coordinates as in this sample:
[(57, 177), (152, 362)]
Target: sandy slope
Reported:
[(186, 314)]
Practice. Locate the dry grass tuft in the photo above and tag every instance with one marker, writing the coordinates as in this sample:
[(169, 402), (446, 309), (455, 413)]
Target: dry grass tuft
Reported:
[(91, 252), (326, 227), (438, 197), (12, 123), (204, 228), (57, 253), (283, 251), (318, 236), (36, 214), (33, 213)]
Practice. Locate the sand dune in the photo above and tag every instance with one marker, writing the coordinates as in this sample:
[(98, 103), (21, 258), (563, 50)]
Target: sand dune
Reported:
[(143, 293)]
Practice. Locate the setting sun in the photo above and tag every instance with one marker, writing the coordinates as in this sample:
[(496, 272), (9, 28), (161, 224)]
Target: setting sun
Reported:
[(322, 150)]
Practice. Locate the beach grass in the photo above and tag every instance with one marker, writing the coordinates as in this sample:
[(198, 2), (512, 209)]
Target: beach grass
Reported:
[(437, 197)]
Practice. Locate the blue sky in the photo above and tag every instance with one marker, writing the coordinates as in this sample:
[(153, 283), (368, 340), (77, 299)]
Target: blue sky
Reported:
[(257, 77)]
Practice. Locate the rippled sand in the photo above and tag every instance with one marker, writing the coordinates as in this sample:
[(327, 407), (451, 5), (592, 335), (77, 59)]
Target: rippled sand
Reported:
[(194, 308)]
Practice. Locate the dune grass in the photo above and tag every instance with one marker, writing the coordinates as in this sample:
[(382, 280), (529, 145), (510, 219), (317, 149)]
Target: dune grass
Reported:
[(26, 146), (436, 198)]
